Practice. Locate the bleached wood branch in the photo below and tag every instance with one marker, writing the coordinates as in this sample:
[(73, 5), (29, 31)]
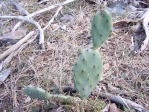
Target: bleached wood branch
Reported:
[(17, 26), (43, 1), (41, 39), (122, 101), (16, 46), (6, 62), (146, 28), (48, 8), (52, 20), (22, 11), (29, 18)]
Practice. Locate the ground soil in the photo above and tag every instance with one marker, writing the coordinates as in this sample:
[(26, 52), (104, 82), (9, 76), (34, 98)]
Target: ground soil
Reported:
[(63, 40)]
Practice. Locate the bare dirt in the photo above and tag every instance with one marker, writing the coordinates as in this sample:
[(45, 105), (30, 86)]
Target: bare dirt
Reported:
[(124, 75)]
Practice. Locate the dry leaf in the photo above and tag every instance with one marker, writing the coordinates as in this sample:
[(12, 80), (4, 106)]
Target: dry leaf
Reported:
[(27, 100), (4, 74), (52, 46), (14, 35), (55, 27), (113, 89), (67, 17), (63, 27), (118, 8), (106, 66)]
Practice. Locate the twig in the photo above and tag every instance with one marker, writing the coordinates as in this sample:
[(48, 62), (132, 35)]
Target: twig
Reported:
[(49, 23), (30, 104), (106, 108), (146, 28), (6, 62), (43, 1), (22, 11), (16, 46), (48, 8), (41, 40), (17, 26), (122, 101)]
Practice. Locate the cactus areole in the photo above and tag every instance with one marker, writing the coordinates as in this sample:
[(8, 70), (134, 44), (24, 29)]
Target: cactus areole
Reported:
[(101, 27), (87, 72)]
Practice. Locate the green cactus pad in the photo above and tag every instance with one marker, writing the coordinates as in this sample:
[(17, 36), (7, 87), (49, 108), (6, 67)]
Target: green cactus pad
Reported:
[(37, 93), (40, 94), (87, 72), (101, 27)]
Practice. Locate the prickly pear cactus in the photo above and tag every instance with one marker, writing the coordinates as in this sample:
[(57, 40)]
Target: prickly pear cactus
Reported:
[(37, 93), (41, 94), (87, 72), (101, 27)]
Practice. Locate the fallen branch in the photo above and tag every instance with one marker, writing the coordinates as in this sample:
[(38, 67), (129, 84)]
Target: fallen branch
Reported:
[(52, 20), (6, 62), (43, 1), (50, 7), (16, 46), (146, 28), (122, 101), (47, 9), (17, 26), (9, 58), (41, 39), (22, 11), (29, 19)]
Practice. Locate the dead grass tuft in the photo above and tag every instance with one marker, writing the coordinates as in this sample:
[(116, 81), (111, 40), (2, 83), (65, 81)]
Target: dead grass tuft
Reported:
[(64, 39)]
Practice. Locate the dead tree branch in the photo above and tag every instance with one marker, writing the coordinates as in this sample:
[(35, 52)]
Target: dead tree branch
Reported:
[(50, 8), (16, 46), (52, 20), (122, 101), (146, 28), (47, 9), (6, 62), (41, 40), (22, 11)]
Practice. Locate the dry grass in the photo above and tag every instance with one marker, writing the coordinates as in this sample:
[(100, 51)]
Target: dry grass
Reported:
[(54, 66)]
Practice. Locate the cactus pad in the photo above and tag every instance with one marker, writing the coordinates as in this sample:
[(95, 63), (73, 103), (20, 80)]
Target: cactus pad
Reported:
[(101, 27), (40, 94), (87, 72), (37, 93)]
